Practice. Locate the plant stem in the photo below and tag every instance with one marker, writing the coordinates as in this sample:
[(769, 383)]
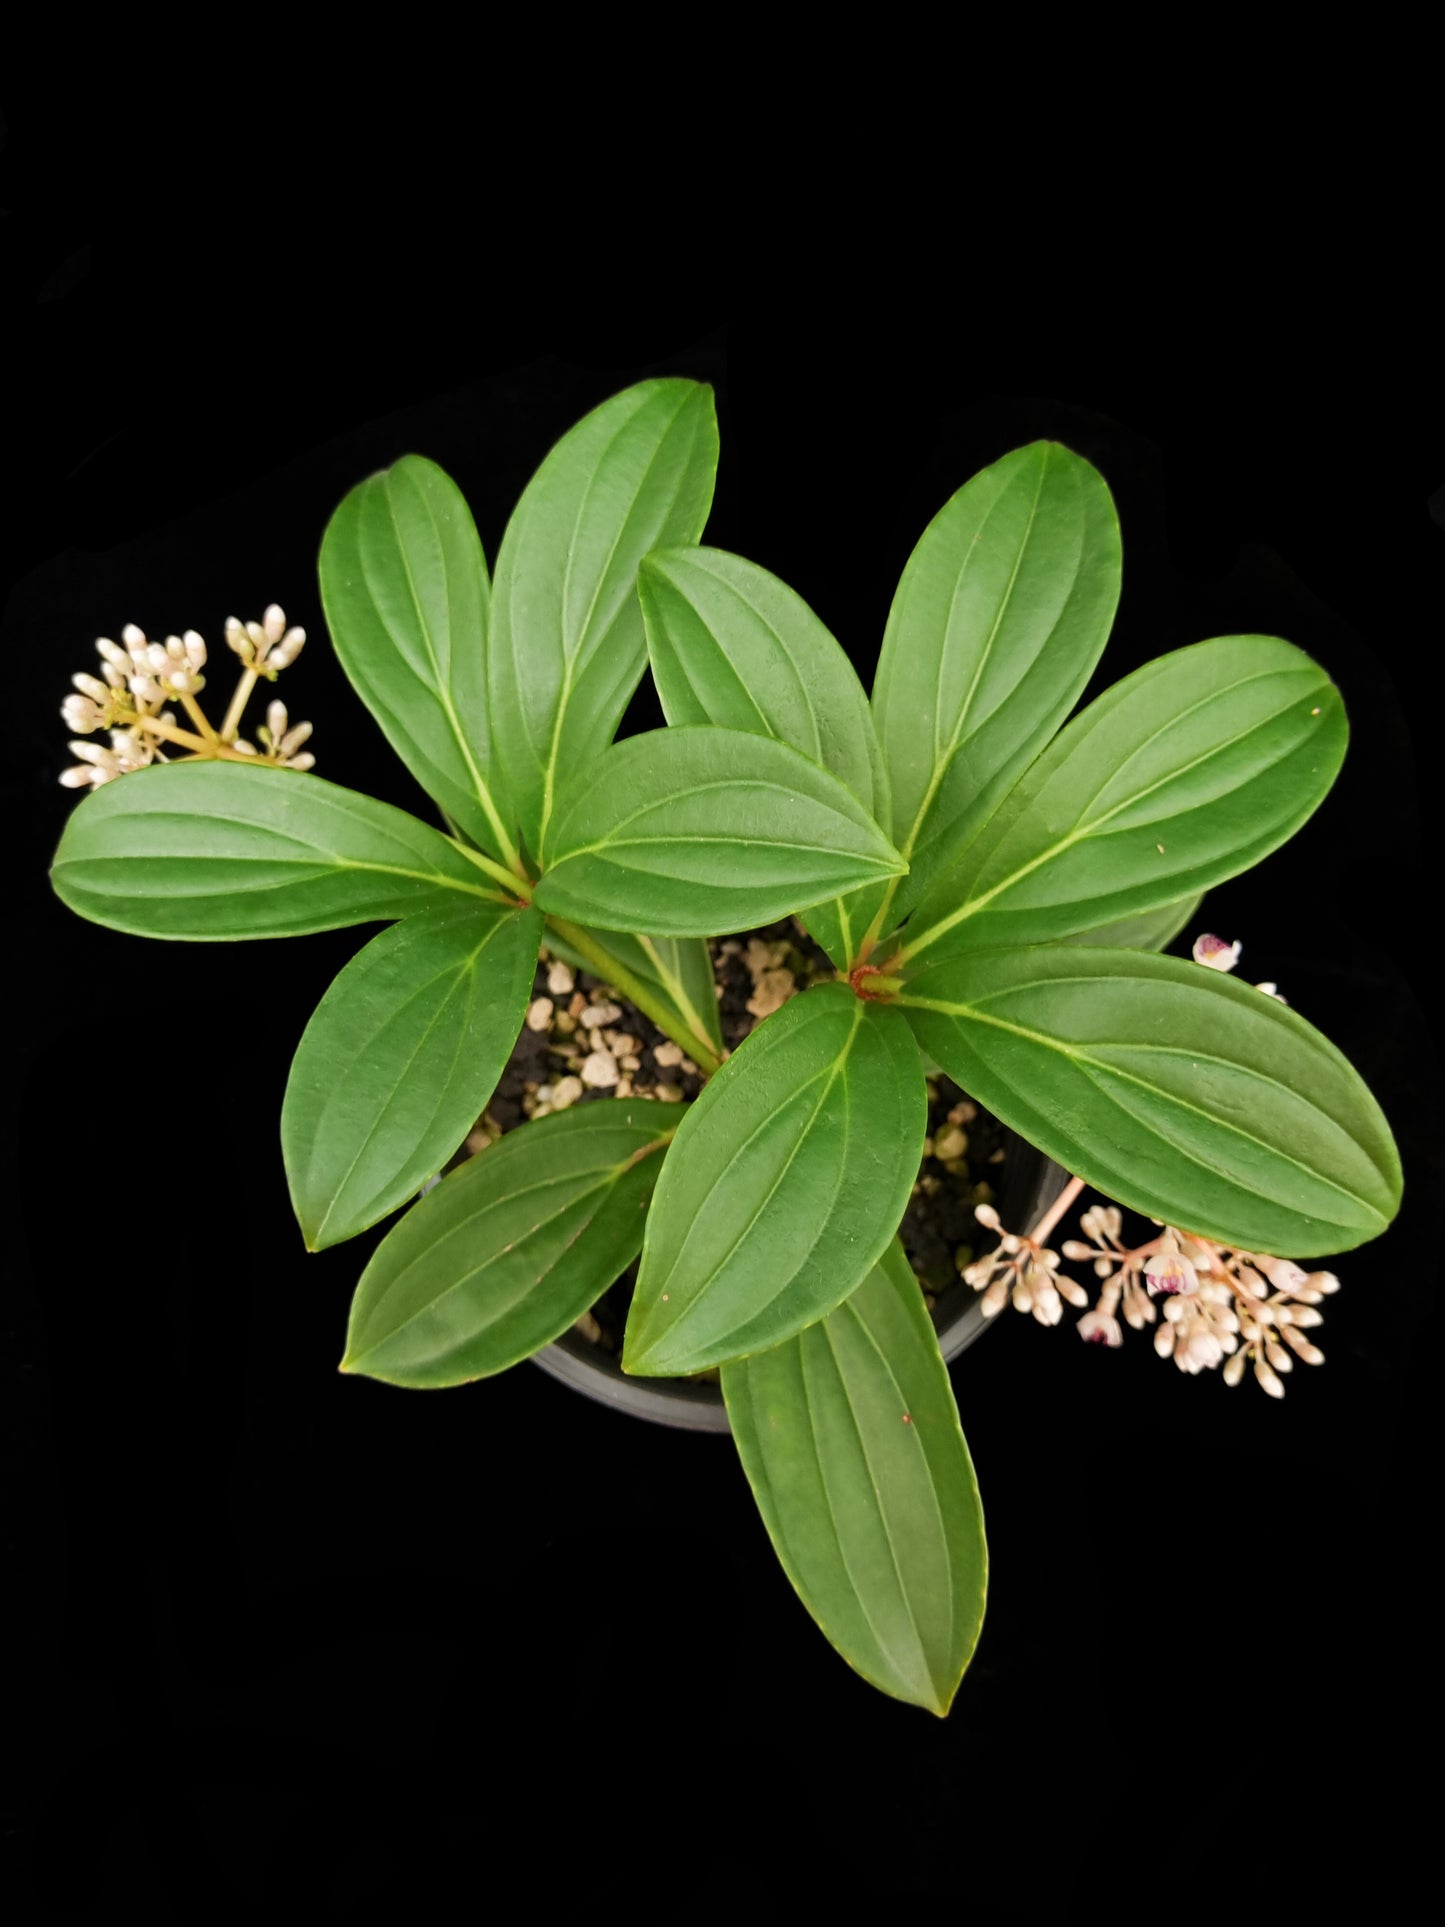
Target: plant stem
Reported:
[(1056, 1211), (699, 1049), (189, 740), (198, 717), (238, 702), (519, 886)]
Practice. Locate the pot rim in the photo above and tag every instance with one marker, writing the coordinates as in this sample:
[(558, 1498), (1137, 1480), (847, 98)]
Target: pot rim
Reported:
[(1031, 1184)]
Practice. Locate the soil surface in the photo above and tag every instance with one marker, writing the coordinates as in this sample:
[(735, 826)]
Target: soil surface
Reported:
[(583, 1042)]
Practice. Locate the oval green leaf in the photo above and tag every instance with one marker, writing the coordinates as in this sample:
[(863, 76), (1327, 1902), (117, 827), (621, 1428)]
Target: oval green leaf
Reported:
[(1000, 615), (509, 1250), (399, 1060), (850, 1439), (404, 586), (1150, 930), (1184, 1095), (1185, 773), (567, 647), (731, 644), (693, 831), (217, 850), (786, 1180)]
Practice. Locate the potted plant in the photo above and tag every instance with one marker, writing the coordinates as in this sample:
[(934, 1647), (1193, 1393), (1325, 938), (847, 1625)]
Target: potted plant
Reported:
[(990, 884)]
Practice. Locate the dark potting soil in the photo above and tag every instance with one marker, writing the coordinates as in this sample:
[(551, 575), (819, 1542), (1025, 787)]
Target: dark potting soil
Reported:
[(963, 1152)]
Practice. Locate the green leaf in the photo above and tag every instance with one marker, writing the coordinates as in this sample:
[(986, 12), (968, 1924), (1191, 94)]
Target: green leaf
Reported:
[(731, 644), (694, 831), (1169, 1087), (1000, 615), (567, 646), (1150, 930), (399, 1060), (1181, 775), (220, 850), (510, 1249), (786, 1180), (673, 972), (404, 586), (850, 1439)]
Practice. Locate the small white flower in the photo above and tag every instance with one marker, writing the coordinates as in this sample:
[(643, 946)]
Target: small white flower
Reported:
[(1215, 954), (1099, 1327)]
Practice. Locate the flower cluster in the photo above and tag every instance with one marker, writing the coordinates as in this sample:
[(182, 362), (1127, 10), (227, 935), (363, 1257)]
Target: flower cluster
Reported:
[(139, 677), (1024, 1270), (1220, 1305)]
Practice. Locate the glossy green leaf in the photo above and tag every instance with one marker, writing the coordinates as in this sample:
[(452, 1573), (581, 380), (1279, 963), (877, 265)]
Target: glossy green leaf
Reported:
[(731, 644), (567, 646), (697, 830), (404, 586), (1169, 1087), (399, 1060), (1181, 775), (1150, 930), (787, 1178), (1000, 615), (850, 1439), (221, 850), (510, 1249), (673, 972)]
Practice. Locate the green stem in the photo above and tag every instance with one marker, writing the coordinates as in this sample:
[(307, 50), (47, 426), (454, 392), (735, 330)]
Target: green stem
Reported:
[(699, 1049), (518, 886)]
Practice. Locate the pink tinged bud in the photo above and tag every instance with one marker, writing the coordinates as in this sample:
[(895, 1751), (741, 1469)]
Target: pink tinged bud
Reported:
[(1164, 1340), (1023, 1298), (995, 1298), (1325, 1281), (1278, 1356), (1234, 1369), (1074, 1292), (985, 1213), (1215, 954), (1267, 1379), (1302, 1348), (1283, 1273), (1076, 1249)]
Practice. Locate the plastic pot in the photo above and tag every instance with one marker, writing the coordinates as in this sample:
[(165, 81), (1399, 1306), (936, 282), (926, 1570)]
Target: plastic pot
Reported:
[(1031, 1184)]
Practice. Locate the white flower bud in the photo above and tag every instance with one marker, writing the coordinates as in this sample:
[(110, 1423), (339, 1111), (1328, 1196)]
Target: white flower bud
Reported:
[(1234, 1368), (985, 1213), (134, 638), (1267, 1379), (274, 619)]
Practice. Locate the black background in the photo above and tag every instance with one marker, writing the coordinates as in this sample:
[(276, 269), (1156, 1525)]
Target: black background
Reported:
[(285, 1635)]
